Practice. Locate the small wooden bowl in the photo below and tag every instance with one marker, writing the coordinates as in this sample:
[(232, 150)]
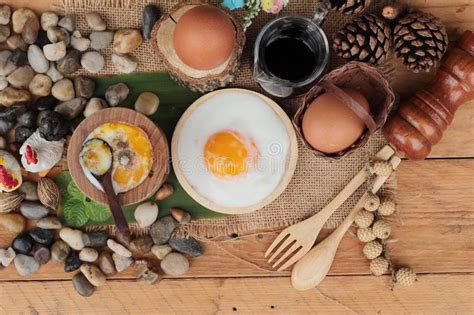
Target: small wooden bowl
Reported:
[(160, 168), (290, 162)]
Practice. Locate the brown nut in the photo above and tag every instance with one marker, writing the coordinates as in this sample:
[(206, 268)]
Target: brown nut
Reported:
[(180, 215), (164, 192)]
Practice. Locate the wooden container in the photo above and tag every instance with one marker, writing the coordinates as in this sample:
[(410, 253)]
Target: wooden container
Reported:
[(196, 80), (421, 121), (159, 170), (363, 78)]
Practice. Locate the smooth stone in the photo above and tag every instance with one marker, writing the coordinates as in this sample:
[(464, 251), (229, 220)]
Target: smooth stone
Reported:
[(46, 103), (72, 262), (6, 65), (118, 248), (174, 264), (82, 285), (25, 265), (12, 223), (101, 40), (147, 103), (53, 73), (23, 243), (43, 39), (73, 108), (60, 250), (160, 251), (95, 21), (57, 34), (63, 90), (29, 188), (18, 57), (70, 63), (116, 94), (183, 217), (41, 85), (49, 223), (42, 236), (93, 275), (144, 272), (4, 33), (7, 256), (120, 262), (92, 61), (31, 30), (161, 230), (84, 86), (68, 22), (150, 16), (88, 254), (54, 52), (33, 210), (95, 239), (10, 96), (141, 245), (72, 237), (146, 214), (49, 19), (37, 60), (5, 14), (20, 17), (126, 41), (188, 246), (78, 42), (95, 104), (15, 41), (106, 264), (41, 253), (124, 63), (21, 77), (3, 83)]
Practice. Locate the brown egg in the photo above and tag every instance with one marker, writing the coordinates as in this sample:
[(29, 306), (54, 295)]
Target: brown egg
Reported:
[(204, 37), (330, 126)]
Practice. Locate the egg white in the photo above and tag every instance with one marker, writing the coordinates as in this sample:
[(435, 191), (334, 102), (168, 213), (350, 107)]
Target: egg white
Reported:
[(250, 116)]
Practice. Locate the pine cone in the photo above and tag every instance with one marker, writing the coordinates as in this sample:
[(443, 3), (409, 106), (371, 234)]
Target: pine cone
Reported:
[(381, 168), (387, 206), (365, 235), (367, 38), (420, 39), (372, 249), (381, 229), (350, 6), (364, 218), (378, 266), (372, 203), (405, 276)]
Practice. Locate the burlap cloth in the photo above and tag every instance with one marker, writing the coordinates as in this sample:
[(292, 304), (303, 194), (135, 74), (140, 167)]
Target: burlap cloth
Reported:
[(316, 181)]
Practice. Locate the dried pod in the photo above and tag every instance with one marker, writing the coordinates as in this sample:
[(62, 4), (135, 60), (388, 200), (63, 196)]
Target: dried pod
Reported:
[(164, 192), (10, 201), (372, 203), (48, 193)]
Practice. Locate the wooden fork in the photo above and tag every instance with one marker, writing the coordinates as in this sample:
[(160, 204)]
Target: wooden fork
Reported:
[(296, 240), (313, 268)]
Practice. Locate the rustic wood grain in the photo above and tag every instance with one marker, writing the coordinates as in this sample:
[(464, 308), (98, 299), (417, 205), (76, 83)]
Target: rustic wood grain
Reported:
[(336, 295)]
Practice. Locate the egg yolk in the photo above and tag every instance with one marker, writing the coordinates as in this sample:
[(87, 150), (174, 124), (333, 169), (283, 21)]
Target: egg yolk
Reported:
[(228, 154)]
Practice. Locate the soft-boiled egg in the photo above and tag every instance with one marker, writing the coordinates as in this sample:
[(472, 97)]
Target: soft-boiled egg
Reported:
[(233, 149)]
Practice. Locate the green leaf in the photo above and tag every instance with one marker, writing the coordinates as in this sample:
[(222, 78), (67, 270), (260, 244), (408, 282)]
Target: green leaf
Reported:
[(97, 212), (75, 213), (74, 191), (63, 180)]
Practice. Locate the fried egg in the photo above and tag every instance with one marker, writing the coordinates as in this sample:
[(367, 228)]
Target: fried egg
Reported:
[(131, 151), (233, 149)]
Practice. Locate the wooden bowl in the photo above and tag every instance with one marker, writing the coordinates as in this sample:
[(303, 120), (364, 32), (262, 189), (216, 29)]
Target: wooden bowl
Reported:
[(160, 168), (290, 162)]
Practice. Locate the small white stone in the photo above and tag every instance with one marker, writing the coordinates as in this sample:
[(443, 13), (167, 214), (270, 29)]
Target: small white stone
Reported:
[(118, 248), (63, 90), (53, 72), (92, 61), (54, 52), (40, 85), (95, 21), (7, 256), (95, 104), (5, 14), (78, 42), (147, 103), (49, 19), (124, 63), (37, 60), (68, 22), (121, 263), (160, 251), (146, 214), (88, 254), (101, 40), (72, 237)]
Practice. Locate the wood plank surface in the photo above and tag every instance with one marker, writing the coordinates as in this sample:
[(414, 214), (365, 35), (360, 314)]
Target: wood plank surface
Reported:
[(432, 294)]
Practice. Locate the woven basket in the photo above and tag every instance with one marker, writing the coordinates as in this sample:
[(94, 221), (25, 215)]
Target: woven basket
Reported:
[(363, 78)]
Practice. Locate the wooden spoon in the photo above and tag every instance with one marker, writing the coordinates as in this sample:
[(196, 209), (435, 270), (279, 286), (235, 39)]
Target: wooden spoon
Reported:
[(102, 171)]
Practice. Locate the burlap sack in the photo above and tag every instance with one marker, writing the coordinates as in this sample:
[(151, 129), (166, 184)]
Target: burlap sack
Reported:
[(316, 181)]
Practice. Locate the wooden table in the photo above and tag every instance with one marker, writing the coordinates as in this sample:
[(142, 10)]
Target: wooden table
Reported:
[(435, 236)]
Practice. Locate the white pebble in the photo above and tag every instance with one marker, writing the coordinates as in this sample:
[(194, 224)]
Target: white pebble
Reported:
[(146, 214), (119, 249), (54, 52), (88, 254), (49, 19), (92, 61), (78, 42), (72, 237)]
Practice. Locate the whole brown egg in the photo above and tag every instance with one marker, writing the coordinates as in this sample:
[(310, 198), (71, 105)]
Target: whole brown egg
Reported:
[(204, 37), (330, 126)]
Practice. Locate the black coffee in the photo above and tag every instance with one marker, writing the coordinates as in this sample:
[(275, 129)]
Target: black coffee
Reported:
[(289, 59)]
